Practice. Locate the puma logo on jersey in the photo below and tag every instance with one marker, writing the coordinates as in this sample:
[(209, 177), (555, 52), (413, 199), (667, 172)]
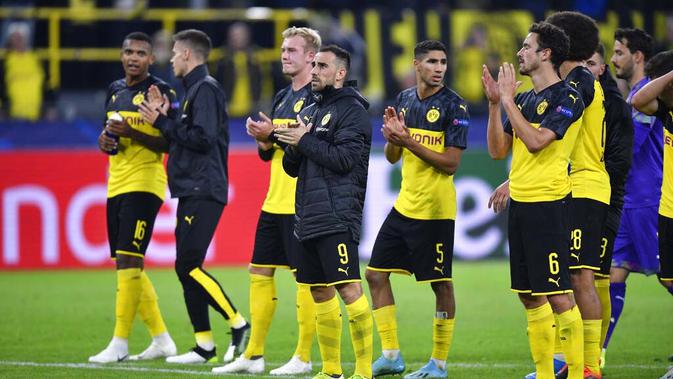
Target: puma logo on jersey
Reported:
[(439, 269), (574, 84), (463, 107), (189, 219), (136, 244), (576, 256), (573, 97), (551, 280), (345, 271)]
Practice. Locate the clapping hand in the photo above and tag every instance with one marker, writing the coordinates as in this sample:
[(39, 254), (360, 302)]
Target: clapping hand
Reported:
[(291, 136)]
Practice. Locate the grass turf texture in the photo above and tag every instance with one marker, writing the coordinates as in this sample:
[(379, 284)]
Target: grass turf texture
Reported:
[(51, 322)]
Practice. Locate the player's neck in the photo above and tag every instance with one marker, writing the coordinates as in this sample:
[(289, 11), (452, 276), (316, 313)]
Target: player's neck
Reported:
[(133, 80), (300, 80), (423, 90), (544, 78), (568, 66), (638, 75)]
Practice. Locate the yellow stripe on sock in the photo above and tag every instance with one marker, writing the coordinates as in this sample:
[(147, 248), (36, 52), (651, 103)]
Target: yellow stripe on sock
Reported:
[(129, 288), (361, 329), (386, 324), (541, 335), (306, 322), (328, 329), (262, 307), (214, 290), (148, 308)]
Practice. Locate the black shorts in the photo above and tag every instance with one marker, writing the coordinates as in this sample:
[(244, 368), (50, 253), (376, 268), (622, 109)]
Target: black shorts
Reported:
[(587, 219), (538, 247), (275, 243), (410, 246), (197, 219), (607, 247), (665, 248), (328, 260), (130, 221)]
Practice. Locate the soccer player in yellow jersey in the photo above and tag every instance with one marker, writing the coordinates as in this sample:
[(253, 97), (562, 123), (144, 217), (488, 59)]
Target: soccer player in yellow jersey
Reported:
[(429, 134), (136, 189), (589, 178), (275, 243), (656, 98), (541, 130)]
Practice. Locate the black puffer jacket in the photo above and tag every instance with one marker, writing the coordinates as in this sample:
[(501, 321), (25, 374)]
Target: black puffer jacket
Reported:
[(330, 164)]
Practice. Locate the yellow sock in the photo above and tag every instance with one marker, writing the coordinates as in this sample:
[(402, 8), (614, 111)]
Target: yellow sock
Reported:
[(361, 327), (386, 324), (205, 340), (592, 347), (569, 324), (262, 306), (442, 335), (541, 339), (129, 288), (148, 308), (328, 329), (603, 289), (305, 321)]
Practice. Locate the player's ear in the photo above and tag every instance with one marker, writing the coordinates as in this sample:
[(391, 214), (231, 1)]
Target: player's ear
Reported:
[(152, 59)]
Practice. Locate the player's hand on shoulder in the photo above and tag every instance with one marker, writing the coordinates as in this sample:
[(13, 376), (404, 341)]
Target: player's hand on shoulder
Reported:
[(499, 198)]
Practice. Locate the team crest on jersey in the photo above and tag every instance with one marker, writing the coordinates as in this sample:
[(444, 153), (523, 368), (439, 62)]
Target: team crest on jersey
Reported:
[(542, 107), (298, 105), (325, 119), (137, 99), (432, 115)]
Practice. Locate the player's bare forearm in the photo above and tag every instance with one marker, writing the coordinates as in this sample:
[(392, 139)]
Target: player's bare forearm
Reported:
[(645, 100), (534, 139), (392, 152), (446, 161), (155, 143), (497, 140)]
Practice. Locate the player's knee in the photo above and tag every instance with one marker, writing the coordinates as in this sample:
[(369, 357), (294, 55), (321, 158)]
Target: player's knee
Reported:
[(442, 288), (529, 301), (182, 269), (376, 279), (124, 261), (264, 271)]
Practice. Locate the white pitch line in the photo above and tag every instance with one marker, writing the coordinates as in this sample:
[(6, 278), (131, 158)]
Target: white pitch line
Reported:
[(133, 368)]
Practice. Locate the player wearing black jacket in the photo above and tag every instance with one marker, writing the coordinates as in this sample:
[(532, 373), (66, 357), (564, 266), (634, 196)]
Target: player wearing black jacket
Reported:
[(197, 176), (330, 157)]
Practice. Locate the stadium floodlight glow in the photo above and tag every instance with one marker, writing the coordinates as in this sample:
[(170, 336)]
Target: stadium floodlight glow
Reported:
[(258, 13), (300, 13)]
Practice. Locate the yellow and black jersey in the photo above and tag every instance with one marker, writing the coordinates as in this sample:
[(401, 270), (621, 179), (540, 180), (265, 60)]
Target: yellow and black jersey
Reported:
[(543, 176), (665, 114), (436, 122), (286, 105), (588, 175), (136, 168)]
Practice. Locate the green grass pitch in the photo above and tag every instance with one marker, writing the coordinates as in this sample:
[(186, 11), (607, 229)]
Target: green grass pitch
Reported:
[(51, 322)]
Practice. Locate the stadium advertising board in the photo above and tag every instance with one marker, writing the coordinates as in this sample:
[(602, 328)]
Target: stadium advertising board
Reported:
[(52, 210)]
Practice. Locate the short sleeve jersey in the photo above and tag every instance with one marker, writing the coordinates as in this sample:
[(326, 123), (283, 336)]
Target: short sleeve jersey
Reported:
[(665, 114), (286, 106), (588, 175), (436, 122), (543, 176), (135, 168)]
